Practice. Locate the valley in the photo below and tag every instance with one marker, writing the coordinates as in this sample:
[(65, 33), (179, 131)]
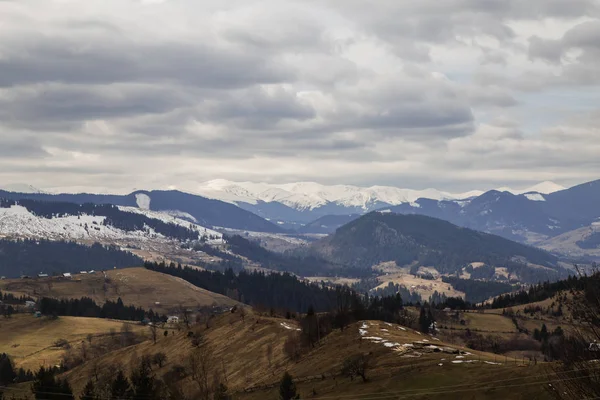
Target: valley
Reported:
[(233, 310)]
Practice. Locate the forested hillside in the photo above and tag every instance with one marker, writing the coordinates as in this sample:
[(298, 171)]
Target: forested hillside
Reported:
[(379, 237), (31, 257)]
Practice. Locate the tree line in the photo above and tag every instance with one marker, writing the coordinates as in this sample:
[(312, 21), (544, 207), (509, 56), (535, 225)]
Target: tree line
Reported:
[(86, 307), (541, 291), (30, 257)]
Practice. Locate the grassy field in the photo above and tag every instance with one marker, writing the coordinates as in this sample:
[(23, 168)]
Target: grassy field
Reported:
[(30, 341), (137, 286)]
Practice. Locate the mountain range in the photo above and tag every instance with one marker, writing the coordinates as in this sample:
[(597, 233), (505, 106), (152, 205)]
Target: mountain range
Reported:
[(294, 204)]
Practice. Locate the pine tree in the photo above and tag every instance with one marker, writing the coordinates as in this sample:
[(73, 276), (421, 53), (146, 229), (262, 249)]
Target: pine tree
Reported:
[(143, 382), (120, 388), (287, 388), (221, 393), (47, 387), (89, 392), (423, 321), (7, 370)]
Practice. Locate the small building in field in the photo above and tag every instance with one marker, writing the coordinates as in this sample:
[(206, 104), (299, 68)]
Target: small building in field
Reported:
[(172, 319), (67, 275), (37, 314), (30, 304), (42, 275)]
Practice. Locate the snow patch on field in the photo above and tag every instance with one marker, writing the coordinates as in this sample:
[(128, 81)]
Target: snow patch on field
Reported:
[(288, 327)]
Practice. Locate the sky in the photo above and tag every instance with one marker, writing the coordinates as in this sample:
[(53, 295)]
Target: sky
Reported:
[(452, 94)]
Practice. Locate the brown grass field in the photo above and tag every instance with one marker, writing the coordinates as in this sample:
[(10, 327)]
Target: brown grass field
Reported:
[(30, 341), (135, 286), (240, 355)]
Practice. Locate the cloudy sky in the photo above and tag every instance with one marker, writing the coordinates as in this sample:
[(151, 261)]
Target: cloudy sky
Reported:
[(453, 94)]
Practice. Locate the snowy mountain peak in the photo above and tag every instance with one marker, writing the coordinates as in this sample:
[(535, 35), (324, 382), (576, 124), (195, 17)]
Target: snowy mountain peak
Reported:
[(20, 188), (311, 195)]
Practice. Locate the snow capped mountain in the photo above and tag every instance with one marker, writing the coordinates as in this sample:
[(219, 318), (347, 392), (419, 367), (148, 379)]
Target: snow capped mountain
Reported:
[(546, 187), (306, 196), (311, 195), (20, 188)]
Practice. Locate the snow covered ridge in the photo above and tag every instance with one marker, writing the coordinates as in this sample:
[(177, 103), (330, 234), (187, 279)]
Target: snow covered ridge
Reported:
[(18, 221), (311, 195)]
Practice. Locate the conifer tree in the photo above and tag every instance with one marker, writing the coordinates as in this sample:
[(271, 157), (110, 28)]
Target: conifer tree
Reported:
[(287, 388)]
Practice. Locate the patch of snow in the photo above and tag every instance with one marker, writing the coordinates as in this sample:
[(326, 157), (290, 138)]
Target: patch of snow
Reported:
[(364, 325), (290, 328), (143, 201), (459, 357), (362, 332), (535, 197), (384, 330), (375, 338), (441, 365), (402, 328), (492, 363)]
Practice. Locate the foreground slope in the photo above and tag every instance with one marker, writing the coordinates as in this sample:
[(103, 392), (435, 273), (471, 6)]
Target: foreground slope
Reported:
[(135, 286), (400, 360)]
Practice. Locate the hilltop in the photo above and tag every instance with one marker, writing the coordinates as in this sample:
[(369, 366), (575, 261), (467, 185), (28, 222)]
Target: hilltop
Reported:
[(136, 286)]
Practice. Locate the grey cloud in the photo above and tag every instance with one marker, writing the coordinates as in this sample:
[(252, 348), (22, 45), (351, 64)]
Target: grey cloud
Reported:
[(15, 147), (38, 59)]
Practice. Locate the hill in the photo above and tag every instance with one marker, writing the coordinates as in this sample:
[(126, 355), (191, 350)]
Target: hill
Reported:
[(135, 286), (32, 342), (409, 239), (249, 355)]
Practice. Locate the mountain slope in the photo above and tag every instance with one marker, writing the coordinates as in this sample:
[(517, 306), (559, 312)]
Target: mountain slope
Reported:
[(405, 239), (328, 223), (198, 209), (529, 217)]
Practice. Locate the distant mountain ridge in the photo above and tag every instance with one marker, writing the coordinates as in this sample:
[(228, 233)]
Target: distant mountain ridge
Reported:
[(200, 210), (418, 240)]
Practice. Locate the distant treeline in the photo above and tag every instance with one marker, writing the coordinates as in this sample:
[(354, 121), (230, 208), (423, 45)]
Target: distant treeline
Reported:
[(543, 291), (286, 292), (283, 291), (86, 307), (9, 298), (114, 217), (478, 291), (303, 265), (30, 257)]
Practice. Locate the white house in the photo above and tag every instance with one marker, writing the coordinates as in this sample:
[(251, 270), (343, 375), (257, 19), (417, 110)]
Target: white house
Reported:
[(172, 320), (67, 275)]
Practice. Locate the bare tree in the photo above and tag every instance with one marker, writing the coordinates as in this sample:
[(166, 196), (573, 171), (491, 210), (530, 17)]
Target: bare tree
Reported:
[(185, 315), (356, 365), (201, 366), (159, 359), (153, 331), (270, 353)]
